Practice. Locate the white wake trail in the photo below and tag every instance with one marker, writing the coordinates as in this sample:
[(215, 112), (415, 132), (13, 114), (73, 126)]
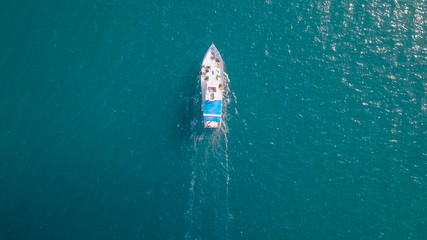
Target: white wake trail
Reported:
[(207, 150)]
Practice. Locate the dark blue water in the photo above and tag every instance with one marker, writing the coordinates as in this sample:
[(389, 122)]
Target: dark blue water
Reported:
[(101, 133)]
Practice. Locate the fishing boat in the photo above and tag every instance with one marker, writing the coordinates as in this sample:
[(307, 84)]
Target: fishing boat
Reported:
[(212, 81)]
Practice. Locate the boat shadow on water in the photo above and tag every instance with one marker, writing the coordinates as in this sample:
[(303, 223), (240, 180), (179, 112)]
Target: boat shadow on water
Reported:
[(190, 105)]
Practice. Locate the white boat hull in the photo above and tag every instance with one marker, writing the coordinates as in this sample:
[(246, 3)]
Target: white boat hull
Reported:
[(212, 87)]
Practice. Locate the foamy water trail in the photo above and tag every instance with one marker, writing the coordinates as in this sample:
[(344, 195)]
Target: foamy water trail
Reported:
[(227, 164), (199, 157), (209, 160)]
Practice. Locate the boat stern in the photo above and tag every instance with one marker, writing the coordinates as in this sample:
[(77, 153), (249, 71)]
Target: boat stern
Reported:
[(212, 113), (212, 124)]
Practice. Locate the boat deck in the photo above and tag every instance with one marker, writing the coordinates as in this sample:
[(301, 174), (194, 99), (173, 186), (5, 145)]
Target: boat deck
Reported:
[(211, 77)]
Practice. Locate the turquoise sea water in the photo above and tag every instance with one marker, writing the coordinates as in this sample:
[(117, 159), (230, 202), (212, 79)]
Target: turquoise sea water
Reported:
[(101, 134)]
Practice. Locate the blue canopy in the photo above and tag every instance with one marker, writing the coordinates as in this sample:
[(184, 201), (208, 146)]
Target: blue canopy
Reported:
[(212, 108)]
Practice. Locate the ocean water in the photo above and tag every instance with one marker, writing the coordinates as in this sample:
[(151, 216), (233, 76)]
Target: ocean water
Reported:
[(101, 133)]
